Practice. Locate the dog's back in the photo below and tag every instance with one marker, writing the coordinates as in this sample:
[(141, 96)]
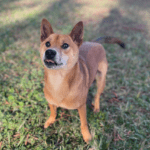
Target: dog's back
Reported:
[(92, 53)]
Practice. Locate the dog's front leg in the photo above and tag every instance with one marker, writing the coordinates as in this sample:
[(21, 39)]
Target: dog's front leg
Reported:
[(84, 127), (52, 117)]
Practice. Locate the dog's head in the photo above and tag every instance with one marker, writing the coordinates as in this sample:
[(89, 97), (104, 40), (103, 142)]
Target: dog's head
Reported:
[(60, 51)]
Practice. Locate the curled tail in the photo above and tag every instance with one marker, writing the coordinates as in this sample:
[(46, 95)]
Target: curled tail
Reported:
[(110, 40)]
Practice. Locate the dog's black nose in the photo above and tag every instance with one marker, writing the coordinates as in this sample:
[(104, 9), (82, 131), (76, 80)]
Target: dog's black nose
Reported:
[(50, 54)]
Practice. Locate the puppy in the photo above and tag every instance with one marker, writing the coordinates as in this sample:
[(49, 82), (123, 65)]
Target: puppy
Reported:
[(70, 67)]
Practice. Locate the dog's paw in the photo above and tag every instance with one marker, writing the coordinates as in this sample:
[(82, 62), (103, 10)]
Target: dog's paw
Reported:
[(86, 134), (96, 110), (49, 122), (88, 138)]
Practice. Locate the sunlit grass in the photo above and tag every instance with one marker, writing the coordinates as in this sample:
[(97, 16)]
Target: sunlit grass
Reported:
[(22, 10), (96, 8)]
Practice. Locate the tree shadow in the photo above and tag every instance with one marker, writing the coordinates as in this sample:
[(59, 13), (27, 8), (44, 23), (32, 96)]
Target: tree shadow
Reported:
[(60, 13), (117, 24), (7, 5), (136, 4)]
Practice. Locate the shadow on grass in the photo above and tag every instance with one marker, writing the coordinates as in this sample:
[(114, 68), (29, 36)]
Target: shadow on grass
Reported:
[(59, 13), (6, 5), (118, 25), (136, 4)]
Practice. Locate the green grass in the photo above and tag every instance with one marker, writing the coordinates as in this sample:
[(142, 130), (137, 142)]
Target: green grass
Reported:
[(124, 119)]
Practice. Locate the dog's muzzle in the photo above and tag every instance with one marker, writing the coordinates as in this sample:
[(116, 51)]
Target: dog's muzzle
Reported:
[(50, 60)]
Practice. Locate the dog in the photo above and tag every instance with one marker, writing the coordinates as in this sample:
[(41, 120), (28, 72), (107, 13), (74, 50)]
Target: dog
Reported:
[(70, 67)]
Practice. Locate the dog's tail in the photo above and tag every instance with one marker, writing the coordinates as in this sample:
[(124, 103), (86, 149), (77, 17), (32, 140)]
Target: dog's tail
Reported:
[(110, 40)]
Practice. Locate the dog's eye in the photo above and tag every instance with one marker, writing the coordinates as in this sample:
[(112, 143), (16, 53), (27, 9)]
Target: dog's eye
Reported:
[(65, 46), (47, 44)]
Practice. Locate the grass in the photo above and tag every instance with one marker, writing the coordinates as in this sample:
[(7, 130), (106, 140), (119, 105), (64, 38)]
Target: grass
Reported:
[(124, 119)]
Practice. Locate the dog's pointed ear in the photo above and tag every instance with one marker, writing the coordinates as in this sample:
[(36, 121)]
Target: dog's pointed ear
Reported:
[(77, 33), (46, 29)]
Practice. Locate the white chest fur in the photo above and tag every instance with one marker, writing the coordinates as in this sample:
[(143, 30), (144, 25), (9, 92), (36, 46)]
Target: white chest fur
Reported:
[(56, 81)]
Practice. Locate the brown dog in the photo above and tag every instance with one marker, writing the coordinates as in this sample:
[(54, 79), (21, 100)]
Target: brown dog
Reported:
[(70, 68)]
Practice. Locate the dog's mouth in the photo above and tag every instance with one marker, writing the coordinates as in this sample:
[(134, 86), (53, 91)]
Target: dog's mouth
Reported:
[(51, 63)]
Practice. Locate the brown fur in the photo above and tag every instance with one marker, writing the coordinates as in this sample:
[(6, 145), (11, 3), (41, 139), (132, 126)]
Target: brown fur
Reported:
[(68, 86)]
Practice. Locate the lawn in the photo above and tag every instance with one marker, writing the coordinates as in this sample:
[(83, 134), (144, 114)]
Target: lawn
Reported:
[(124, 120)]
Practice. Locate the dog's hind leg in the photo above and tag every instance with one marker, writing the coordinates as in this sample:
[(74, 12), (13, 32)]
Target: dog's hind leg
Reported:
[(100, 83)]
